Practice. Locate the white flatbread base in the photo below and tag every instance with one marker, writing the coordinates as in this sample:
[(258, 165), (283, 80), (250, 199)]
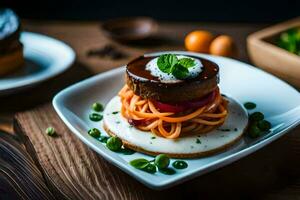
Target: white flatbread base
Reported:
[(233, 128)]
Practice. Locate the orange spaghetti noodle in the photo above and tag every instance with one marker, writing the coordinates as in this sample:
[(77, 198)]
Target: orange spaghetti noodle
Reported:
[(168, 124)]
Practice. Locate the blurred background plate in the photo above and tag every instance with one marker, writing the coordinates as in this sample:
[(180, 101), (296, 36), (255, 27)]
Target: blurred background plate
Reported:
[(45, 58)]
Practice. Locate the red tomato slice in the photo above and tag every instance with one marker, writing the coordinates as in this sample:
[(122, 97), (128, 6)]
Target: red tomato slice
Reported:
[(183, 106)]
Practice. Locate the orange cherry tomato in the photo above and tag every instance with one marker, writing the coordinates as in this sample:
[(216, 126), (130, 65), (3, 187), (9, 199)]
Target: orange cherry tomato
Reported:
[(223, 45), (198, 41)]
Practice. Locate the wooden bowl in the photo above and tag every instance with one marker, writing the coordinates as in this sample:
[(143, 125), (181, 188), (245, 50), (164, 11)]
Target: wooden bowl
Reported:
[(129, 29), (265, 54)]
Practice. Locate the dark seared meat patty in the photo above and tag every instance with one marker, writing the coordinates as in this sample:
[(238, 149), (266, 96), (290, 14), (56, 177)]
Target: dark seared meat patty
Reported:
[(149, 87), (9, 30)]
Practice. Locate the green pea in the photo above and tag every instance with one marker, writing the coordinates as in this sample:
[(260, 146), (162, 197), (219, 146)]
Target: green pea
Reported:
[(162, 161), (150, 168), (114, 144), (264, 125), (94, 133), (98, 107), (50, 131), (256, 116), (180, 164), (249, 105), (95, 117), (254, 131)]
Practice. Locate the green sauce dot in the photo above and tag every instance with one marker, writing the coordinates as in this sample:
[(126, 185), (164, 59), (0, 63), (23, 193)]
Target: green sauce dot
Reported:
[(95, 117), (249, 105), (167, 171), (180, 164), (103, 139), (150, 168)]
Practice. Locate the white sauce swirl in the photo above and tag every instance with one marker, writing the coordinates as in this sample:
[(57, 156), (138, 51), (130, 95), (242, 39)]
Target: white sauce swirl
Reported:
[(155, 71)]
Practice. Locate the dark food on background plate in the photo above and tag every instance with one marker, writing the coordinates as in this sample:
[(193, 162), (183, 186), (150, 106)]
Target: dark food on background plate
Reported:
[(11, 49), (290, 40), (108, 50)]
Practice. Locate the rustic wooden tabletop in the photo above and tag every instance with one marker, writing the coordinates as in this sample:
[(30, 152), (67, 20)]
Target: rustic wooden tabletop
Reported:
[(35, 166)]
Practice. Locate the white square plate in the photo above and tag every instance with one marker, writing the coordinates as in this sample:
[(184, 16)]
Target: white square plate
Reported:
[(276, 99)]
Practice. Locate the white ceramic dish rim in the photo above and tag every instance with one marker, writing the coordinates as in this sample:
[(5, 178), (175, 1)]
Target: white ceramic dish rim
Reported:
[(180, 178), (62, 66)]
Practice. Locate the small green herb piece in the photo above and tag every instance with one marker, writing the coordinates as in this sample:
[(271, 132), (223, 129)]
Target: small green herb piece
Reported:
[(162, 161), (249, 105), (264, 125), (103, 138), (153, 137), (180, 72), (167, 171), (50, 131), (254, 131), (139, 163), (225, 129), (114, 144), (150, 168), (198, 141), (115, 112), (180, 164), (94, 132), (127, 151), (95, 117), (256, 116), (187, 62), (166, 62), (97, 107)]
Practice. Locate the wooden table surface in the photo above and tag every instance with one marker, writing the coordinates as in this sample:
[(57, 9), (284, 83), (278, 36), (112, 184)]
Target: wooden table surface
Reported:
[(41, 167)]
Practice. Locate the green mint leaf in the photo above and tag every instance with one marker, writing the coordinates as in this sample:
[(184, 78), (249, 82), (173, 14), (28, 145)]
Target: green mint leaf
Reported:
[(166, 62), (139, 163), (180, 72), (187, 62)]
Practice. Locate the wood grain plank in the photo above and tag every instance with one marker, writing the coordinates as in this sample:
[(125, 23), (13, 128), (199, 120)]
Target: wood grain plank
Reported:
[(20, 178)]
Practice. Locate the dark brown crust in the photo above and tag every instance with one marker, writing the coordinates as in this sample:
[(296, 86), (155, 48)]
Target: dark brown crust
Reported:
[(172, 92), (191, 155), (11, 61)]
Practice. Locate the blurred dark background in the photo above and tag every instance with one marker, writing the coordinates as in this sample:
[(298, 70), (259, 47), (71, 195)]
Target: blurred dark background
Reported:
[(180, 10)]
